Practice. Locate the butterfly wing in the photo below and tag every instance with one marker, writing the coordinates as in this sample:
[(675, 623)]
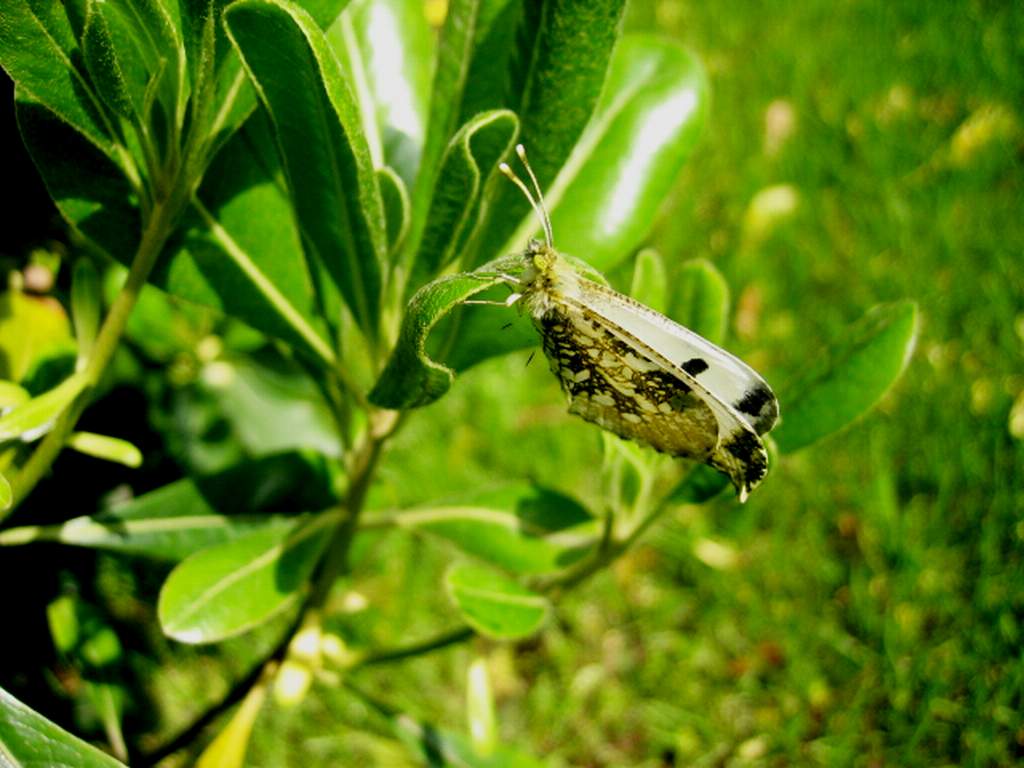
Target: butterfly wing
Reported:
[(723, 376), (611, 385), (665, 353)]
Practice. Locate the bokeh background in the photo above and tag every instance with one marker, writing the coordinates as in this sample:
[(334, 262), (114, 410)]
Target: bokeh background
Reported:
[(866, 607)]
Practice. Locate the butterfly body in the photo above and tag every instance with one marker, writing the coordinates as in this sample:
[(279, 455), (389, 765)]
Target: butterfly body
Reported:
[(638, 374)]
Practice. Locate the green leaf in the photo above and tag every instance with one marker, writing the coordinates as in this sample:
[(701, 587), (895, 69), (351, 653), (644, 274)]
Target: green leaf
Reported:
[(230, 588), (29, 739), (223, 98), (494, 604), (605, 199), (326, 159), (136, 60), (32, 330), (556, 70), (6, 494), (38, 50), (169, 538), (271, 405), (395, 198), (86, 306), (411, 378), (239, 250), (12, 395), (523, 529), (189, 515), (62, 618), (852, 378), (387, 47), (469, 162), (650, 281), (701, 301), (120, 83), (30, 421), (106, 448)]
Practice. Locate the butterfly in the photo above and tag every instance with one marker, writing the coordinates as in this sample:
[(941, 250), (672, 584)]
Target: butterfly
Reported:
[(636, 373)]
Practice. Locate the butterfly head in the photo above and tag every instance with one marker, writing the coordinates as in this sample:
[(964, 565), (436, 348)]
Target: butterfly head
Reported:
[(540, 256)]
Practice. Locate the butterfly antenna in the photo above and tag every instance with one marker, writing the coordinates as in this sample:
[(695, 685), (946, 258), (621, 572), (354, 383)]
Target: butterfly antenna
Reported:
[(537, 203)]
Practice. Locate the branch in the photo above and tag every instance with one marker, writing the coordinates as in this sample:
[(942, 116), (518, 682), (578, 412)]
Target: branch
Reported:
[(155, 234)]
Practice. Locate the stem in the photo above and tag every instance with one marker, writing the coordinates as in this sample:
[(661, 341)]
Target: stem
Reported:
[(607, 552), (155, 234), (364, 463), (443, 640)]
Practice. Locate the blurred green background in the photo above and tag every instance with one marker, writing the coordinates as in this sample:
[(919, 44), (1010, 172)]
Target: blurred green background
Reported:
[(865, 607)]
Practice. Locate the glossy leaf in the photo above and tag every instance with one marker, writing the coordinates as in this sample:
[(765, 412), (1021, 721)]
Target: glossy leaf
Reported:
[(556, 71), (855, 376), (230, 588), (494, 604), (392, 45), (33, 419), (523, 529), (38, 51), (411, 378), (29, 739), (228, 749), (470, 160), (605, 199), (326, 159), (32, 330), (192, 514), (106, 448), (650, 281), (700, 300)]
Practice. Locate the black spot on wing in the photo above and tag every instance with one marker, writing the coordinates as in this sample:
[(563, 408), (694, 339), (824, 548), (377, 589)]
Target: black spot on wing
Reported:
[(695, 366), (748, 450), (759, 402)]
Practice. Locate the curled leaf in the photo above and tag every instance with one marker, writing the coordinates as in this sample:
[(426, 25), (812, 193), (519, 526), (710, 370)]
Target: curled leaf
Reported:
[(411, 377)]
